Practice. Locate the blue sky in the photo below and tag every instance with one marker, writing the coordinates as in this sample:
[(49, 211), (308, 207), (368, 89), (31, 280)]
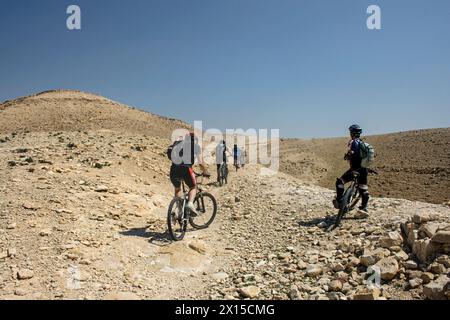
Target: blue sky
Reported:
[(309, 68)]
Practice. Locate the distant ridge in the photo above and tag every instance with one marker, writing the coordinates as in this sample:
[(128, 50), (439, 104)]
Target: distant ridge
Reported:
[(73, 110)]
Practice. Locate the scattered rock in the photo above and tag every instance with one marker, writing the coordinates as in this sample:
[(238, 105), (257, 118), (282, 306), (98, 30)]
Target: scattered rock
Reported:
[(391, 240), (388, 267), (367, 294), (101, 188), (435, 289), (24, 274), (314, 271), (442, 237), (198, 247), (250, 292)]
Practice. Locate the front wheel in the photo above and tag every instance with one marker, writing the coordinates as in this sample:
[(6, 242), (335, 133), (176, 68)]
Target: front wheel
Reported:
[(176, 222), (206, 206)]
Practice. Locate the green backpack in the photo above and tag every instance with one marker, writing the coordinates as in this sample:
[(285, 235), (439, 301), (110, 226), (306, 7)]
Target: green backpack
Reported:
[(367, 154)]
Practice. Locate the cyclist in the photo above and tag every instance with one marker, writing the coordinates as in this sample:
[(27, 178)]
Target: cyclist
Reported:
[(184, 155), (236, 155), (221, 156), (353, 156)]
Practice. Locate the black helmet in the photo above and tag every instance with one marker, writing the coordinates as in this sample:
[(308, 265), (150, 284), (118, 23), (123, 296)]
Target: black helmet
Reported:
[(355, 129)]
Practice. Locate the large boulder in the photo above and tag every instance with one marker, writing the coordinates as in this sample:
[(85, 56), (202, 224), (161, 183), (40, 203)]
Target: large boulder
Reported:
[(392, 239), (442, 236), (369, 258), (436, 290), (388, 267), (424, 249)]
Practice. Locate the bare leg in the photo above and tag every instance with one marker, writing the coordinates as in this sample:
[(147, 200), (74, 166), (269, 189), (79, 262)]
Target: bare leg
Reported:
[(178, 192), (192, 194)]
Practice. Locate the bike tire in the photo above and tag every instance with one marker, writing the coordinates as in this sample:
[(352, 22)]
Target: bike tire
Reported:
[(200, 205), (174, 221), (226, 175), (344, 209)]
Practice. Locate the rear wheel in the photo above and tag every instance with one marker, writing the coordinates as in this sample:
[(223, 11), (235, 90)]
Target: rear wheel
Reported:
[(175, 220), (206, 206)]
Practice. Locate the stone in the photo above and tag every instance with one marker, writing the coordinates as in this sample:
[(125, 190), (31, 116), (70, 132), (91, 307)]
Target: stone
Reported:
[(335, 286), (11, 226), (428, 230), (442, 236), (401, 255), (410, 264), (445, 260), (121, 296), (420, 218), (101, 188), (388, 267), (370, 258), (220, 276), (435, 289), (20, 292), (424, 249), (427, 277), (25, 274), (198, 247), (338, 267), (437, 268), (367, 294), (314, 271), (414, 283), (250, 292), (294, 294), (301, 265), (12, 252), (45, 232), (30, 206), (392, 239)]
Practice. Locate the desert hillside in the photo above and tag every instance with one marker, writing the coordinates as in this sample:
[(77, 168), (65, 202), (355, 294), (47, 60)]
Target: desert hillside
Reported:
[(68, 110), (413, 165), (83, 216)]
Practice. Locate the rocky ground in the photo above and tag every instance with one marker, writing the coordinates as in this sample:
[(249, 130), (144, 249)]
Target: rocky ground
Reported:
[(82, 216), (84, 192)]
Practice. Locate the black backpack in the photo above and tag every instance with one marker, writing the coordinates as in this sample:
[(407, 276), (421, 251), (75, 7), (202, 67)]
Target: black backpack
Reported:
[(170, 150)]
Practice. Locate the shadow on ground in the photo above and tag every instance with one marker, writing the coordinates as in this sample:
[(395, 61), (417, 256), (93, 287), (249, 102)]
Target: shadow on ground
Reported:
[(157, 238)]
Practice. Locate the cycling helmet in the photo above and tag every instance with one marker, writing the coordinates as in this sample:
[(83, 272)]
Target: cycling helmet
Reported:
[(355, 129)]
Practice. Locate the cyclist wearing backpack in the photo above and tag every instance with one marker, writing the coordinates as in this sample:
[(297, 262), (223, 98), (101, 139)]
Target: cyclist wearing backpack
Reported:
[(221, 156), (184, 155), (354, 157)]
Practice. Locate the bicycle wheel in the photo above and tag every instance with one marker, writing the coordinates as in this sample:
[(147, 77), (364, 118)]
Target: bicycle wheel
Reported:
[(221, 179), (206, 206), (225, 174), (345, 205), (175, 220)]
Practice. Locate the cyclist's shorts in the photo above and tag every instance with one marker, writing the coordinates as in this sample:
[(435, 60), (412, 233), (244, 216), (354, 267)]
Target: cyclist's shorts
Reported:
[(182, 173), (362, 179)]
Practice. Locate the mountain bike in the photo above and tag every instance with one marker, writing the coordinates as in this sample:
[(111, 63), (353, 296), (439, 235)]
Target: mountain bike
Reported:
[(350, 199), (223, 174), (237, 164), (179, 215)]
